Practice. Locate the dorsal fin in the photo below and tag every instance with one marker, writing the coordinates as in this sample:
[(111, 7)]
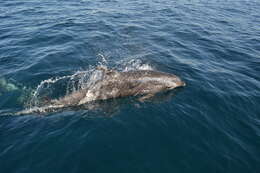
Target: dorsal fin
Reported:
[(101, 68), (105, 69)]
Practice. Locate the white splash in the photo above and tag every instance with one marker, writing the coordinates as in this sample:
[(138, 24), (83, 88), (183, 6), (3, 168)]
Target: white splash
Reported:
[(136, 64)]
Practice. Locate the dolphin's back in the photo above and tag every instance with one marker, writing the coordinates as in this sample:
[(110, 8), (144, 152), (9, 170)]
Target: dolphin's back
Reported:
[(146, 73), (120, 84)]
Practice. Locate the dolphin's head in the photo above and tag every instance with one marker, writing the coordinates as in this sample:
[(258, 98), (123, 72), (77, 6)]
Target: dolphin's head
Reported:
[(173, 81), (164, 81)]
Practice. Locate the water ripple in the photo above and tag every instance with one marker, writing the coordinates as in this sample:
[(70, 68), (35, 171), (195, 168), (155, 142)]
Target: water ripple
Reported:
[(211, 125)]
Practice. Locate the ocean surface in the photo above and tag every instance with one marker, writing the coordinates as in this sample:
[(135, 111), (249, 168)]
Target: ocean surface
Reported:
[(51, 48)]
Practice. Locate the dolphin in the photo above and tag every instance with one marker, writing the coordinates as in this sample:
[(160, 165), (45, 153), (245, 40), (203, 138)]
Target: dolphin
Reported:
[(116, 84)]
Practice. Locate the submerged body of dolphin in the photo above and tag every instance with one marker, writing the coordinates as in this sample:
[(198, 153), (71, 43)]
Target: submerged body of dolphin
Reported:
[(115, 84)]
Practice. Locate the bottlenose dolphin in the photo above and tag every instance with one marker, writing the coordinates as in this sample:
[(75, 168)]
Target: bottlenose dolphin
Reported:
[(115, 84)]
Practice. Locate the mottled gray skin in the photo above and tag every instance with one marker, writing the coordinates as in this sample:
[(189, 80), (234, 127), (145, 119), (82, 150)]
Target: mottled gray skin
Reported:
[(114, 84)]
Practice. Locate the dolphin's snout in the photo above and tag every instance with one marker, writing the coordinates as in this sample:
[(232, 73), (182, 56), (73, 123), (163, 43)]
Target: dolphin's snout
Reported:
[(179, 82)]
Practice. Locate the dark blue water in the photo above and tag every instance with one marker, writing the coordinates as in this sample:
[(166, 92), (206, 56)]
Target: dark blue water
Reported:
[(211, 125)]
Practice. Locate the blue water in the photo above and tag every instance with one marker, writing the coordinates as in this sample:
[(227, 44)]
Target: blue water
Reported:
[(211, 125)]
